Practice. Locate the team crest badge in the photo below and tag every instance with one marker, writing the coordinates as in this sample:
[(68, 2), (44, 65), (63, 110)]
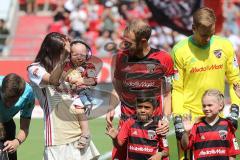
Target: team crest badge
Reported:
[(223, 134), (218, 53), (134, 133), (151, 67), (151, 134), (235, 62), (35, 72)]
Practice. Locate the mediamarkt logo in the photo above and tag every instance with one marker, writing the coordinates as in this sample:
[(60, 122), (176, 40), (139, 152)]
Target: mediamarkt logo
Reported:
[(207, 68), (138, 84), (212, 152), (142, 149)]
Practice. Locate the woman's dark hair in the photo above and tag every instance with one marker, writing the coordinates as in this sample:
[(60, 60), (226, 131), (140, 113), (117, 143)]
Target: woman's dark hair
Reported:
[(51, 49)]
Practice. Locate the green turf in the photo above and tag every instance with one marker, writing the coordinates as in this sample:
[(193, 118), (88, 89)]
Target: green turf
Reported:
[(33, 147)]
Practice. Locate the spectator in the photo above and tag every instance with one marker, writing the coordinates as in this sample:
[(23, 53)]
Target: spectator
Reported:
[(105, 37), (31, 6), (108, 19), (4, 33), (79, 22), (231, 14)]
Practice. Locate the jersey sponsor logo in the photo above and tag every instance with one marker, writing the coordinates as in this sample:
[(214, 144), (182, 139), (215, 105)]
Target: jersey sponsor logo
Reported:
[(218, 53), (212, 152), (222, 134), (142, 149), (151, 134), (207, 68), (139, 84)]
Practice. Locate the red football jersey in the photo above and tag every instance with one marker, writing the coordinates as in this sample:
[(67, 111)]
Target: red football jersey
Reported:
[(134, 77), (217, 141), (142, 140)]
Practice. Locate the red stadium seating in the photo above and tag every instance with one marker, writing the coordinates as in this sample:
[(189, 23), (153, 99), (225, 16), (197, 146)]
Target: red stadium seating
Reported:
[(29, 34)]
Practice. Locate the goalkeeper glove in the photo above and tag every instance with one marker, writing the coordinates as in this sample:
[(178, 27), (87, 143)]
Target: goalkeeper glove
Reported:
[(179, 128), (233, 115)]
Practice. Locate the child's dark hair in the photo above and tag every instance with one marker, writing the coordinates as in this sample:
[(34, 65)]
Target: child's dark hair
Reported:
[(152, 100)]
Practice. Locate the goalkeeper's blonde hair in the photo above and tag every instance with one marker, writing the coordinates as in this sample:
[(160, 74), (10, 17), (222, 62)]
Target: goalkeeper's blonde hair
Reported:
[(204, 17)]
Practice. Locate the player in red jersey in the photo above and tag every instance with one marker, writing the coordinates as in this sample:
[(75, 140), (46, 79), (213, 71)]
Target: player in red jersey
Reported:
[(212, 137), (140, 68), (139, 132)]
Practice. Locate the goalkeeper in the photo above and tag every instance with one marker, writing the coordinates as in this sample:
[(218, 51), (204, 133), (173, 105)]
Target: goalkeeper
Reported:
[(202, 61)]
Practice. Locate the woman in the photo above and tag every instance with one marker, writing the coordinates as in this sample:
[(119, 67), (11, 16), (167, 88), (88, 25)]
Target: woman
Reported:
[(62, 127)]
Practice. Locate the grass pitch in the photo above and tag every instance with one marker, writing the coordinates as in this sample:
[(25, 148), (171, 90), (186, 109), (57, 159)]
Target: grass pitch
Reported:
[(32, 148)]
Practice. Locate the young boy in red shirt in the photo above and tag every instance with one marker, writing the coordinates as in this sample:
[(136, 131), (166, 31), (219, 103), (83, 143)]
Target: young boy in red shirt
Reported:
[(140, 133)]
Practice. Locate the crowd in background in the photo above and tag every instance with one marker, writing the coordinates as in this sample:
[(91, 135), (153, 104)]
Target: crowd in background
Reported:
[(99, 22)]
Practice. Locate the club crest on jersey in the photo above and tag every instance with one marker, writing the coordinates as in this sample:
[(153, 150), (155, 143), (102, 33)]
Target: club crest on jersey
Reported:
[(218, 53), (235, 62), (222, 134), (151, 67), (151, 134), (35, 72), (134, 133)]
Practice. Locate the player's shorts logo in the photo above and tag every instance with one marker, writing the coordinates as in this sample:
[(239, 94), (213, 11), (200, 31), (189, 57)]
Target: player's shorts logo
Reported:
[(218, 53), (223, 134)]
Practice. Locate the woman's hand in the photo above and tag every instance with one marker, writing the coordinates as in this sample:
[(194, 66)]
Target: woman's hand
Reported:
[(163, 127), (65, 54)]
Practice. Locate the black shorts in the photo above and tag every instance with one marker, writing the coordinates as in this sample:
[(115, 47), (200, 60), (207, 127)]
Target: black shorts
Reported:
[(10, 129)]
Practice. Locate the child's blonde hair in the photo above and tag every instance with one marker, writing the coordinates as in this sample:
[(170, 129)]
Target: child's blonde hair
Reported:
[(215, 93)]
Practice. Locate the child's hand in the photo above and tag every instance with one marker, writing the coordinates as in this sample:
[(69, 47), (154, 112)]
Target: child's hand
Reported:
[(111, 132), (109, 117), (89, 81), (187, 123), (163, 128), (73, 77), (236, 88), (156, 156)]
